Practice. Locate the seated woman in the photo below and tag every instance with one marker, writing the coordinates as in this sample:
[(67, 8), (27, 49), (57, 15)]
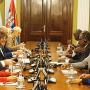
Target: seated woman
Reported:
[(6, 53), (4, 75), (12, 41), (7, 76)]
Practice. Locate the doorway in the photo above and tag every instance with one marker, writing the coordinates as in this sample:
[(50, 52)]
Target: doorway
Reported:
[(46, 19)]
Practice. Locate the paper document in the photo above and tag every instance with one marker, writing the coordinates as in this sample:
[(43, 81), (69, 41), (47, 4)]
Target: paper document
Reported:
[(8, 83), (16, 70), (26, 60), (57, 63)]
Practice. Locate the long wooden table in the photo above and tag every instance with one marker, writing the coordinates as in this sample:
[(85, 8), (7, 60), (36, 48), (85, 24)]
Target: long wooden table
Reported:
[(61, 78)]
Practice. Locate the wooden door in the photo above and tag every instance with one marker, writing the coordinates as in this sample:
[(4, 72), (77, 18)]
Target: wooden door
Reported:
[(32, 20), (50, 19)]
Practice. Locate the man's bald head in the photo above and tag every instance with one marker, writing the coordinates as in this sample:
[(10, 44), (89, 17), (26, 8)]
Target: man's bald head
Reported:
[(4, 29), (76, 34)]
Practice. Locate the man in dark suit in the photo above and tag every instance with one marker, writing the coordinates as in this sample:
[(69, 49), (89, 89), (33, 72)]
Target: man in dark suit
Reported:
[(84, 41), (6, 62)]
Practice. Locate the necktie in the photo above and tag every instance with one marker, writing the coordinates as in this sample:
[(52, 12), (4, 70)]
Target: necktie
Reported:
[(1, 51)]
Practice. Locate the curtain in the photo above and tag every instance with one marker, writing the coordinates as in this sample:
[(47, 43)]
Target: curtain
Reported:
[(83, 15)]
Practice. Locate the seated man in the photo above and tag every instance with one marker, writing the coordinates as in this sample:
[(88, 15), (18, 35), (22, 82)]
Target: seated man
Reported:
[(84, 44), (83, 50), (76, 34), (6, 62), (69, 42)]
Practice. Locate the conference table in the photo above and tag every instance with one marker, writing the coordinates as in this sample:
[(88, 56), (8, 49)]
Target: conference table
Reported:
[(60, 77)]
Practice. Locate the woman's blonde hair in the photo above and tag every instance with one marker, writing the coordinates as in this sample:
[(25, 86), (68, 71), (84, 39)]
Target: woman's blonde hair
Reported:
[(16, 29)]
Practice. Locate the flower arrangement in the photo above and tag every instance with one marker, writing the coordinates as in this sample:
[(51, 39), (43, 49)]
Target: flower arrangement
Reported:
[(43, 56)]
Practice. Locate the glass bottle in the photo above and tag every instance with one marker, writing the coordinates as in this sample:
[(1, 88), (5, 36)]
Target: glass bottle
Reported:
[(59, 47), (20, 81), (71, 73), (11, 67), (66, 60)]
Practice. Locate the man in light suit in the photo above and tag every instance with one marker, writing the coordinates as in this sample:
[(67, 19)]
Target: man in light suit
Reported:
[(79, 65)]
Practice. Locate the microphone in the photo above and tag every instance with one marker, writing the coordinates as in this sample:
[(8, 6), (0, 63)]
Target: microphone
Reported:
[(16, 60), (45, 81), (51, 79), (35, 86)]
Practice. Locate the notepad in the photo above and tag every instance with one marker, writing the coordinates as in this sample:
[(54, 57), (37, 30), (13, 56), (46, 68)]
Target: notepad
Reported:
[(67, 71), (26, 60), (8, 83), (57, 63)]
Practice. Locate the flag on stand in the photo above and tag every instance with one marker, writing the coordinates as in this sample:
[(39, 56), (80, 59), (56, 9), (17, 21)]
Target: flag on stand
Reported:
[(0, 20), (12, 17)]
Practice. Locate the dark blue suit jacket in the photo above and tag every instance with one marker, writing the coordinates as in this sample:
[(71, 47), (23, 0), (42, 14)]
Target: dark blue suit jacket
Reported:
[(79, 57), (7, 53), (1, 67)]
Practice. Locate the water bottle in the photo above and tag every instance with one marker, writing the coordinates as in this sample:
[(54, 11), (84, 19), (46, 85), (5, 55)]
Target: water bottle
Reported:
[(11, 67), (59, 47), (71, 73), (20, 81), (23, 63), (66, 60)]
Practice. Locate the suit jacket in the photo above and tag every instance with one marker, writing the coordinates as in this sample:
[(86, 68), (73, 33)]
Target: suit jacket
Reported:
[(2, 76), (2, 57), (81, 56), (1, 67), (7, 53), (86, 81), (81, 65), (12, 43)]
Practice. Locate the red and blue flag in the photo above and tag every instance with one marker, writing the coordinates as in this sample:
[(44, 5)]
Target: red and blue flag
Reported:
[(12, 17)]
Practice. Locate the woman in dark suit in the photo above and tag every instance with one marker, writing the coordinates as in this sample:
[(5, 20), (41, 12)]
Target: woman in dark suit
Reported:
[(7, 76), (6, 53)]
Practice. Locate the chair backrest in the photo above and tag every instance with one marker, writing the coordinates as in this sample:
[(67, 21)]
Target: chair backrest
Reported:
[(89, 66)]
